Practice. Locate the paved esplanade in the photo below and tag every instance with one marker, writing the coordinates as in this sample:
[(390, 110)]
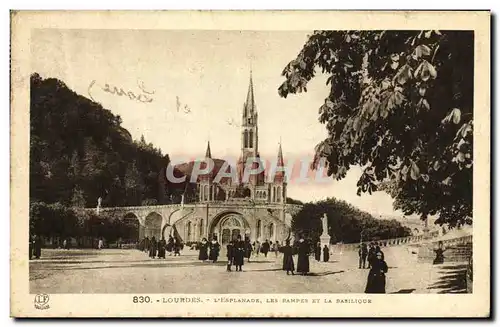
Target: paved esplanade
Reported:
[(131, 271)]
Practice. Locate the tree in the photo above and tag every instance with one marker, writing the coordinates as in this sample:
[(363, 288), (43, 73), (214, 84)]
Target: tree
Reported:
[(346, 223), (401, 107), (79, 151)]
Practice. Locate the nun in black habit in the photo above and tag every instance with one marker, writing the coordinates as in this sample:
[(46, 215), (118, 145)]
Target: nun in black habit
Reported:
[(376, 276), (152, 247), (203, 256), (303, 257)]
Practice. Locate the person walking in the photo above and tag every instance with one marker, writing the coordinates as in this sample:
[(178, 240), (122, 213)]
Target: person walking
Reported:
[(170, 245), (152, 248), (177, 247), (326, 254), (276, 249), (371, 254), (100, 244), (303, 257), (214, 250), (376, 277), (239, 253), (37, 247), (439, 254), (203, 252), (162, 244), (257, 248), (288, 264), (265, 248), (248, 249), (362, 253), (230, 255), (317, 251)]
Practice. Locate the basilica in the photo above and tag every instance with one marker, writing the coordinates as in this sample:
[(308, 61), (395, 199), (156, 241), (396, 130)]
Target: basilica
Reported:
[(252, 206), (256, 187)]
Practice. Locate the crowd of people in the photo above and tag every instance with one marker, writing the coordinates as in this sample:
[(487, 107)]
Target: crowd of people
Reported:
[(158, 249), (238, 250)]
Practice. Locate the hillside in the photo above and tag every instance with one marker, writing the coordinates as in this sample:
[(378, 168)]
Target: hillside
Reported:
[(79, 152)]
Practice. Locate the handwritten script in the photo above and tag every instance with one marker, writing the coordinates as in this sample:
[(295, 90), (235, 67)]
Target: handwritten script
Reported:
[(142, 95)]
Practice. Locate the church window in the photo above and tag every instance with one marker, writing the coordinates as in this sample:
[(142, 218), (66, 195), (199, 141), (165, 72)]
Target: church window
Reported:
[(278, 194), (245, 139), (271, 230), (250, 139), (207, 194)]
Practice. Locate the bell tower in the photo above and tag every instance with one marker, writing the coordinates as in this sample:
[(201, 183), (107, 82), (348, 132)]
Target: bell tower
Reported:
[(249, 130)]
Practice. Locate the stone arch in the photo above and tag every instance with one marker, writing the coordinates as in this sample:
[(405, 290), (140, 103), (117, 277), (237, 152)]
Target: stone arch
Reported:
[(152, 225), (227, 225), (132, 230)]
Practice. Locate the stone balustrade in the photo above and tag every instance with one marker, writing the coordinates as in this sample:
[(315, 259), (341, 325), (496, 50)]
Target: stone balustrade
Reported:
[(390, 242)]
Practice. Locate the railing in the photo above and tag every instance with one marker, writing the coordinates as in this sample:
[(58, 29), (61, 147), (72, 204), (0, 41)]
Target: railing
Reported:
[(389, 242)]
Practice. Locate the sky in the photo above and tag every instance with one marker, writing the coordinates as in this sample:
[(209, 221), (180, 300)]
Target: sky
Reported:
[(193, 86)]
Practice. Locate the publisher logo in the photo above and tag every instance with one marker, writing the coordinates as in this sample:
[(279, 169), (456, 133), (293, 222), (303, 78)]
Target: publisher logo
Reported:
[(41, 301)]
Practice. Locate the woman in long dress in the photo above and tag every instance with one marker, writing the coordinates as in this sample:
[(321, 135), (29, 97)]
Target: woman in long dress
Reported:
[(203, 256), (161, 248), (214, 250), (376, 276), (303, 257), (326, 253), (152, 248), (288, 264), (317, 252), (439, 254)]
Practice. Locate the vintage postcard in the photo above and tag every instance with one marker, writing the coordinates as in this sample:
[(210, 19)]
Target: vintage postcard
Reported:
[(250, 164)]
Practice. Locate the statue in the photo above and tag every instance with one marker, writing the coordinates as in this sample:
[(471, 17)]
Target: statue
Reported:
[(324, 220), (325, 237), (99, 201)]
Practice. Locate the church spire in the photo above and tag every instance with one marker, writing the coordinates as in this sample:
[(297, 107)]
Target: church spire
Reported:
[(208, 154), (280, 157), (279, 177), (249, 107)]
